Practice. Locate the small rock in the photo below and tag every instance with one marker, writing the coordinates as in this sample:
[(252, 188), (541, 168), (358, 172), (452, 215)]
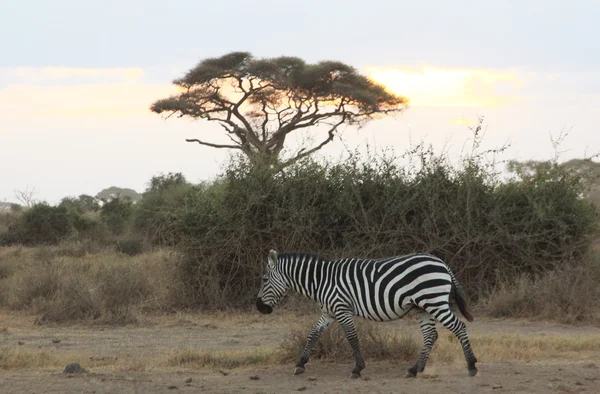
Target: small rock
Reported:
[(172, 387), (312, 379), (497, 386), (578, 383), (21, 343), (302, 388), (223, 373), (254, 377), (56, 340), (188, 380), (74, 368)]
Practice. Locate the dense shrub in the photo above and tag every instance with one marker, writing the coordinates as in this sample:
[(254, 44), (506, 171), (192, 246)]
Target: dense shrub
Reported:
[(116, 214), (42, 224), (131, 245), (371, 207), (156, 214)]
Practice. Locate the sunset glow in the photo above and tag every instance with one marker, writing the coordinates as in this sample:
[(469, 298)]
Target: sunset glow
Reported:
[(439, 87)]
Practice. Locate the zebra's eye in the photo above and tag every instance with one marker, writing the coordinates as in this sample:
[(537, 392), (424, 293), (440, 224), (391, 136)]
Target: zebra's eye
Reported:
[(265, 278)]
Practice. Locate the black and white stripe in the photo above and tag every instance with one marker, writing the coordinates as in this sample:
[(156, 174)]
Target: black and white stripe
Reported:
[(374, 289)]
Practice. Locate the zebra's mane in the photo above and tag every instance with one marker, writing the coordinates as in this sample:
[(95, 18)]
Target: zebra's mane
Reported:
[(295, 256)]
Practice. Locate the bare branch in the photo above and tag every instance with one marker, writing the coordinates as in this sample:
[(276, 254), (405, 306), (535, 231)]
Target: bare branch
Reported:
[(304, 153), (214, 145), (26, 197)]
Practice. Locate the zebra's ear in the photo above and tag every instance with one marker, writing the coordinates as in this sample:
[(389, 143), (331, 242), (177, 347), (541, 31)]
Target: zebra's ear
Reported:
[(272, 259)]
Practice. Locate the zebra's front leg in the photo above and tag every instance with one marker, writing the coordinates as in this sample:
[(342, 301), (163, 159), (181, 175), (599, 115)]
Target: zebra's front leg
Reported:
[(346, 320), (430, 335), (324, 322)]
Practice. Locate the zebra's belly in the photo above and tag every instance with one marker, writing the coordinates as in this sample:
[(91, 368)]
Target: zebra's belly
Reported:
[(383, 315)]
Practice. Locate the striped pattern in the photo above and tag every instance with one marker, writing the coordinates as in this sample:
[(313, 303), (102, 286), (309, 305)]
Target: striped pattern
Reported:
[(377, 290)]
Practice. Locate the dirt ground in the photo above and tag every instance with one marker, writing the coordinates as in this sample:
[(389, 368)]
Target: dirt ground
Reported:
[(132, 359)]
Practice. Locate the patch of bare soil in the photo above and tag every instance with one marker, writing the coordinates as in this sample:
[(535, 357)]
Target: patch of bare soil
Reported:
[(321, 377), (134, 359)]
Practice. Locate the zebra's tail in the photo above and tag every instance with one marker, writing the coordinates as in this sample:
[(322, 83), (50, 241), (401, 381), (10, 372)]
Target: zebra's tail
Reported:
[(459, 295)]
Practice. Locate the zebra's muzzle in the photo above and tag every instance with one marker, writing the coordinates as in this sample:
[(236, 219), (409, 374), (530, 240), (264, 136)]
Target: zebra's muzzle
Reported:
[(262, 307)]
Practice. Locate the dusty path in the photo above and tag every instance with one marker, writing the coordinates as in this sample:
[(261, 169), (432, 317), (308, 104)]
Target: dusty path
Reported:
[(140, 350), (162, 335), (322, 378)]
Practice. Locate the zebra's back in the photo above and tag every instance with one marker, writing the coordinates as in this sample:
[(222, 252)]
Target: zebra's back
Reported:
[(385, 289)]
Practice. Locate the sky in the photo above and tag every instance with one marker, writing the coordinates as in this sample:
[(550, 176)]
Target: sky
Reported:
[(77, 79)]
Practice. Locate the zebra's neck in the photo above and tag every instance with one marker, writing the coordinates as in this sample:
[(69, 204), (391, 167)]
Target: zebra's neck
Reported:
[(302, 271)]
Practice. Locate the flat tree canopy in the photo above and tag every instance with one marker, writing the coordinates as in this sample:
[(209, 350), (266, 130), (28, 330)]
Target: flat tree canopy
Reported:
[(259, 102)]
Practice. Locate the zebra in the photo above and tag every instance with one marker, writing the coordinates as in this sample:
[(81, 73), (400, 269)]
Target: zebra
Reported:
[(375, 289)]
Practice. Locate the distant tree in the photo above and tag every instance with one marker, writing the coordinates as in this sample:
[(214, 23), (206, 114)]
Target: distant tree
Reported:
[(259, 102), (81, 204), (88, 203), (587, 169), (42, 224), (26, 197), (164, 182), (118, 192), (116, 212)]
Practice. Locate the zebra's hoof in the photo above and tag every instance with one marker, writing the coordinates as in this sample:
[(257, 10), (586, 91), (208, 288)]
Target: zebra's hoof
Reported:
[(299, 370), (473, 372), (410, 375), (355, 375)]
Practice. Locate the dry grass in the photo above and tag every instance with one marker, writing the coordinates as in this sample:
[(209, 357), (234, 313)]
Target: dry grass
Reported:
[(375, 343), (381, 346), (568, 295), (23, 359), (105, 287), (385, 343), (191, 358), (514, 347)]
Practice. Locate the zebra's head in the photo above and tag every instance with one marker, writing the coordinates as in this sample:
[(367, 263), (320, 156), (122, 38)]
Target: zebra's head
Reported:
[(273, 287)]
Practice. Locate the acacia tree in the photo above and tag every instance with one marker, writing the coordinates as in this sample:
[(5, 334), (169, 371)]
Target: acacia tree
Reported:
[(259, 102)]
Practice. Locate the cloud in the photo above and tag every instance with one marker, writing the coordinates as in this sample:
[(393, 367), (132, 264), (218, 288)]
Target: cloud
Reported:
[(441, 87), (36, 75), (28, 92), (89, 99), (463, 121)]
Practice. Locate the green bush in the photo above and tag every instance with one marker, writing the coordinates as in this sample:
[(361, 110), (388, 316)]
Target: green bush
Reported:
[(372, 207), (156, 214), (45, 224), (42, 224), (131, 245), (116, 214)]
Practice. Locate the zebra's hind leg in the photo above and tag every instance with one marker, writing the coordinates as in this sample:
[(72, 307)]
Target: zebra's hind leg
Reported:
[(346, 320), (449, 320), (324, 322), (430, 335)]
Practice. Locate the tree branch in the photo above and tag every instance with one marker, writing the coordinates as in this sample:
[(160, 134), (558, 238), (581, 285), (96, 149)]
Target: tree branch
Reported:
[(213, 145), (304, 153)]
